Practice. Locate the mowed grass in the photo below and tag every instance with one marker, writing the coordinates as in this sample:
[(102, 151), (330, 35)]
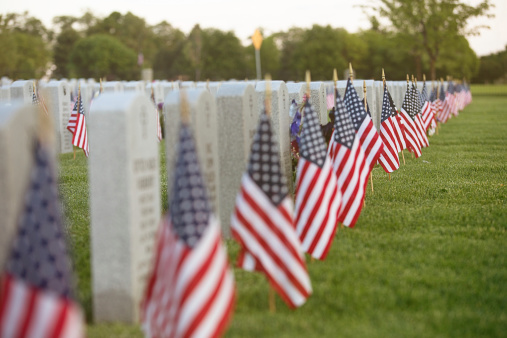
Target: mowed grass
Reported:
[(427, 257)]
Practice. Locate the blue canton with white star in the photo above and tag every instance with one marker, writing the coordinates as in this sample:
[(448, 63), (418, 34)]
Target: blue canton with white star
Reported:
[(354, 106), (39, 252), (343, 126), (313, 147), (386, 106), (189, 206), (264, 164)]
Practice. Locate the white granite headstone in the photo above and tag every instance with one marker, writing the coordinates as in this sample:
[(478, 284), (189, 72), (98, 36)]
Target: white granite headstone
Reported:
[(203, 122), (57, 97), (124, 202), (18, 123), (318, 100), (22, 90), (237, 117)]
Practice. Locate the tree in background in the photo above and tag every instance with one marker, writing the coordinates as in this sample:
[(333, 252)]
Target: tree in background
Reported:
[(64, 44), (431, 24), (25, 46), (103, 55), (493, 68), (169, 61)]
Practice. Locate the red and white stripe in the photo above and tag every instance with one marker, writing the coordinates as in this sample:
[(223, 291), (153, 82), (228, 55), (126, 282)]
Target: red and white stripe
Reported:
[(71, 125), (427, 114), (421, 132), (27, 311), (370, 142), (267, 233), (190, 292), (80, 138), (389, 157), (352, 171), (400, 135), (318, 202), (410, 133)]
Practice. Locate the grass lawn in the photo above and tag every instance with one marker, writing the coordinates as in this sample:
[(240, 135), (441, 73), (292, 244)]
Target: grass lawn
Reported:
[(427, 257)]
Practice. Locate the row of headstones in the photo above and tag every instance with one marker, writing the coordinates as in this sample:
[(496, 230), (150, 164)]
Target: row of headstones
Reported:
[(124, 168)]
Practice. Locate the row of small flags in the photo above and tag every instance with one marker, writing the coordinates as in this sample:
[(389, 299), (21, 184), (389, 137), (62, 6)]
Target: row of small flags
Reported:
[(191, 290)]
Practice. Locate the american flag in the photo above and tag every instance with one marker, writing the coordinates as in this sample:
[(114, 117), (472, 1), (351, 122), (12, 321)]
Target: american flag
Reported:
[(36, 297), (77, 126), (190, 290), (446, 105), (434, 107), (398, 126), (349, 165), (417, 106), (389, 157), (368, 137), (451, 96), (159, 128), (409, 128), (426, 111), (39, 103), (263, 222), (318, 198)]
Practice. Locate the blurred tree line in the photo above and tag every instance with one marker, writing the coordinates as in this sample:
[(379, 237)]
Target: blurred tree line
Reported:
[(89, 46)]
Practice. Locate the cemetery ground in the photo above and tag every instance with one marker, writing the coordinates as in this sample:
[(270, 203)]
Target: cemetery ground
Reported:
[(427, 258)]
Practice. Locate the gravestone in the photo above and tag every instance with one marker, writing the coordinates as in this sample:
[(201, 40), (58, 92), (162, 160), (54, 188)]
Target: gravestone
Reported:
[(124, 202), (112, 87), (18, 124), (5, 93), (296, 91), (135, 86), (86, 95), (22, 90), (280, 105), (237, 118), (57, 98), (203, 122), (158, 91), (341, 86), (318, 100)]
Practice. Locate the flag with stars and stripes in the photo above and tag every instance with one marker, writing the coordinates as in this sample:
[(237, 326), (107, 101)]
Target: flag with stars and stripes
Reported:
[(41, 104), (263, 221), (417, 105), (398, 126), (318, 198), (349, 165), (159, 128), (36, 291), (368, 137), (77, 126), (409, 128), (446, 106), (389, 157), (191, 289), (426, 110)]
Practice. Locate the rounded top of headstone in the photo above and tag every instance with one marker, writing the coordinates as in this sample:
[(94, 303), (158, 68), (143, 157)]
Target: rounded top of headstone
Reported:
[(296, 87), (109, 102), (234, 89), (192, 94), (275, 86), (316, 85)]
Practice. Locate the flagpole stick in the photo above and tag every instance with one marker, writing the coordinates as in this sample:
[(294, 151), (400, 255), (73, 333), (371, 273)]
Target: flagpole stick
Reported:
[(403, 156), (335, 79), (351, 73), (78, 103), (366, 109)]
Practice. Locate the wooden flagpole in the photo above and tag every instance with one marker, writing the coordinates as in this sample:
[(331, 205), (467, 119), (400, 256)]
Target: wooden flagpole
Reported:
[(351, 73), (267, 103), (366, 109)]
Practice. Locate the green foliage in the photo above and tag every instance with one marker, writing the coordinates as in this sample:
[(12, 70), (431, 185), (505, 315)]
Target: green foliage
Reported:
[(102, 55), (431, 24), (64, 45), (493, 68), (270, 58), (169, 61), (24, 42)]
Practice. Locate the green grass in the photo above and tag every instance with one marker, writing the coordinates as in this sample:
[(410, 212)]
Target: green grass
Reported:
[(427, 257), (484, 89)]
